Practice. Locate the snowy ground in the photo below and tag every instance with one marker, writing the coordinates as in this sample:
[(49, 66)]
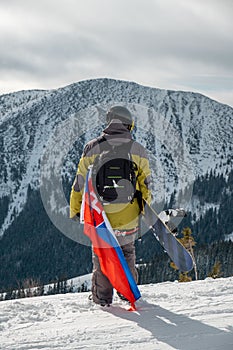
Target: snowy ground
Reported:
[(195, 315)]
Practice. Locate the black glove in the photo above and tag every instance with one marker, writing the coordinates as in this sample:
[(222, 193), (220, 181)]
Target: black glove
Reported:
[(76, 218)]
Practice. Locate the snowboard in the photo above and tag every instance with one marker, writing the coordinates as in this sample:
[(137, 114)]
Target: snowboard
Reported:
[(176, 251)]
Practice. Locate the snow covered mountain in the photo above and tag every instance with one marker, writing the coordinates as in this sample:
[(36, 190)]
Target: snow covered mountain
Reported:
[(188, 137), (195, 315), (28, 119)]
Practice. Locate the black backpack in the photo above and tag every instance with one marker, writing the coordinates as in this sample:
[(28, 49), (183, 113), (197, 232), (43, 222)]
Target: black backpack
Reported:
[(114, 173)]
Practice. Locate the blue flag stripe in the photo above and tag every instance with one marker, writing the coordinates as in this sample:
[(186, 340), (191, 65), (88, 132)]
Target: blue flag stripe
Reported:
[(132, 283)]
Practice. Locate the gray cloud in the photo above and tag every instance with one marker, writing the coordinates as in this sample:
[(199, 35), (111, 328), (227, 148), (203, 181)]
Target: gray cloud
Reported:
[(158, 43)]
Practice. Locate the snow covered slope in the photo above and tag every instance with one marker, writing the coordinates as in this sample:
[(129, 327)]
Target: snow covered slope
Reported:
[(185, 316), (29, 118)]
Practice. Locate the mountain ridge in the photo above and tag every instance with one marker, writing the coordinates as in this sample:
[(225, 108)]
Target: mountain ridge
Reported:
[(184, 132), (51, 107)]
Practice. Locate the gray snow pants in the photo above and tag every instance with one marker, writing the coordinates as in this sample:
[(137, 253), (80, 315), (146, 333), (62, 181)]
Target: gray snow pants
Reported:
[(102, 290)]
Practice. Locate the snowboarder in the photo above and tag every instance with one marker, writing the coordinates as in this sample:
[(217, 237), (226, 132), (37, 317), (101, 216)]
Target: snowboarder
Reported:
[(122, 181)]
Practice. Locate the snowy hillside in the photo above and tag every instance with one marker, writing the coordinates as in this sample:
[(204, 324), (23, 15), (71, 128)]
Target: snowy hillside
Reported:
[(185, 316)]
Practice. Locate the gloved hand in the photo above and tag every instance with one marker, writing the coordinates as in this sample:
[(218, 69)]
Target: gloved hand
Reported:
[(76, 218)]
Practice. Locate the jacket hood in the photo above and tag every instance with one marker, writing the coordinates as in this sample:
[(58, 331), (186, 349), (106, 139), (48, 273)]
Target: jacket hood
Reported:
[(117, 133)]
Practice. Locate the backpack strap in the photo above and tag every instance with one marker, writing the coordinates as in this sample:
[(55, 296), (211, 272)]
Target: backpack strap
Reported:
[(100, 141)]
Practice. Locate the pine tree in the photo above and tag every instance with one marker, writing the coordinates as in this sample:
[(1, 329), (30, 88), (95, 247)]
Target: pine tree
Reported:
[(188, 242), (183, 277), (216, 271)]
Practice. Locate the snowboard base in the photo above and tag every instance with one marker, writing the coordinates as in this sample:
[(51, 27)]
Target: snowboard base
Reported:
[(176, 251)]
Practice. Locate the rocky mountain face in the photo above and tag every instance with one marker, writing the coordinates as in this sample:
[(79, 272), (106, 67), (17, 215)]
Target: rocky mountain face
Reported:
[(42, 133)]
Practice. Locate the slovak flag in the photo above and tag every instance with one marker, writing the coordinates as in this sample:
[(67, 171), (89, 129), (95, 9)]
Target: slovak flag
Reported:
[(105, 245)]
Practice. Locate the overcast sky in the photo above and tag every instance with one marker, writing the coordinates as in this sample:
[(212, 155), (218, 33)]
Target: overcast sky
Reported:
[(172, 44)]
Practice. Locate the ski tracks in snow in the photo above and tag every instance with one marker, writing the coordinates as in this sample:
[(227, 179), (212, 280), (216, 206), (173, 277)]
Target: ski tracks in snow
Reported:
[(196, 315)]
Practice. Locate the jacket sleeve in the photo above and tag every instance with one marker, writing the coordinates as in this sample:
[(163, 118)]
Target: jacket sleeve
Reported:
[(144, 176)]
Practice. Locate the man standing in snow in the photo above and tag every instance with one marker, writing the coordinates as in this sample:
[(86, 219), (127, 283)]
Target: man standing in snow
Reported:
[(122, 183)]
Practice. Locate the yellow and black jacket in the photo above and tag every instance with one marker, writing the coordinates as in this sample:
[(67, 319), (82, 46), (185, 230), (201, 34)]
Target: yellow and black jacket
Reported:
[(121, 216)]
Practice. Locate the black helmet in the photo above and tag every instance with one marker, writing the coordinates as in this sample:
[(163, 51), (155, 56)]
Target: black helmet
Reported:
[(121, 113)]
